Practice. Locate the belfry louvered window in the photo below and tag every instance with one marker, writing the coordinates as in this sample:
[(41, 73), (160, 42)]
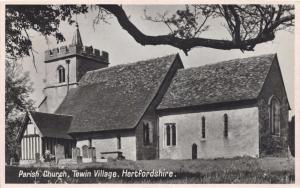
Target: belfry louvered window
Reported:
[(61, 74)]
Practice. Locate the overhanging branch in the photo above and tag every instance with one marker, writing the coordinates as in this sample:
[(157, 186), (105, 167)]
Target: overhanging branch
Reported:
[(187, 44)]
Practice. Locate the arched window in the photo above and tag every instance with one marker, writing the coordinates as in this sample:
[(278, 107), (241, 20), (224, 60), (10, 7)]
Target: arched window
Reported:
[(170, 134), (61, 74), (225, 125), (274, 115), (173, 135), (90, 142), (146, 133), (119, 142), (194, 151), (203, 127)]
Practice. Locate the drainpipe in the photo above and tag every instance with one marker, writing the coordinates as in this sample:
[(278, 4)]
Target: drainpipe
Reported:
[(68, 75)]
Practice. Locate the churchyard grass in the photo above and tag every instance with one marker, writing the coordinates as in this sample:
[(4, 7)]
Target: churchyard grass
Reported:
[(236, 170)]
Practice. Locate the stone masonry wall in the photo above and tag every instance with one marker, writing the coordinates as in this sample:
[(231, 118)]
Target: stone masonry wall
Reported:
[(146, 152), (271, 145), (85, 64)]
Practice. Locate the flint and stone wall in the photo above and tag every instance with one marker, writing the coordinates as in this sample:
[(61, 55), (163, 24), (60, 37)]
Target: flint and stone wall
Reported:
[(271, 145), (147, 152), (242, 140)]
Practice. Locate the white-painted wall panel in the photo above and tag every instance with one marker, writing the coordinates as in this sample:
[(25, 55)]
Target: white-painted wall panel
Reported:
[(243, 135)]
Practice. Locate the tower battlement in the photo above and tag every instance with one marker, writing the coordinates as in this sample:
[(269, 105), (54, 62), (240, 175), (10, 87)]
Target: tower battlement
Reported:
[(65, 66), (72, 50)]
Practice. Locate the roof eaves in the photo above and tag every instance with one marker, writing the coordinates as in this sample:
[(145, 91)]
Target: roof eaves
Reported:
[(205, 107)]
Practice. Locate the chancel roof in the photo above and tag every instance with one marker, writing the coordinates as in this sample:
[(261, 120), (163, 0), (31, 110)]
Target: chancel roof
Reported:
[(234, 80)]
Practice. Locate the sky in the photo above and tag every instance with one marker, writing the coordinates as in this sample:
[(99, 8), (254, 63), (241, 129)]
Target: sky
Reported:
[(122, 48)]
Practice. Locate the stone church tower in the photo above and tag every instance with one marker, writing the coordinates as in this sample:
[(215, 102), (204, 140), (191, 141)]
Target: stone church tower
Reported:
[(64, 68)]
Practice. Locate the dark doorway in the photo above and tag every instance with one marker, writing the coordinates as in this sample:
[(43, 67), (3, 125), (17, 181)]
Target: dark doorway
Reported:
[(194, 151)]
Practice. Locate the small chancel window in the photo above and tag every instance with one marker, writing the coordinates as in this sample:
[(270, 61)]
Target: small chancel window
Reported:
[(119, 142), (61, 74), (173, 135), (225, 125), (203, 127), (147, 133)]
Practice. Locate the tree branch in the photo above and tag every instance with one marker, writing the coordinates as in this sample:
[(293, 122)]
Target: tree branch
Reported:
[(186, 44)]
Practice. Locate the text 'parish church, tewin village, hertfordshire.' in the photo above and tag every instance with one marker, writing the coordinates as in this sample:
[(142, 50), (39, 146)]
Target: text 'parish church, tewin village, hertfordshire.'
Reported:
[(156, 108)]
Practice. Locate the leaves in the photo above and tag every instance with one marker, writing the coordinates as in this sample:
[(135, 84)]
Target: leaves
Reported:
[(17, 90), (44, 19), (248, 25)]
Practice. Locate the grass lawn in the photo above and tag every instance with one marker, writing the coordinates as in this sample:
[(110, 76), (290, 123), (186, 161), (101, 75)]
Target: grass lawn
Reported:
[(236, 170)]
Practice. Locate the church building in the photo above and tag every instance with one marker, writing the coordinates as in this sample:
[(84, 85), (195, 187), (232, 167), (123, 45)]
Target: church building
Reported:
[(156, 108)]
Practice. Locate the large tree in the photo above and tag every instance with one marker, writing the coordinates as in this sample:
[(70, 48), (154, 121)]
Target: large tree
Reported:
[(17, 102), (248, 25)]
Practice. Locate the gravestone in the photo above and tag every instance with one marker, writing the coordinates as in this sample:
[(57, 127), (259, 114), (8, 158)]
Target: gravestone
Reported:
[(59, 152), (37, 157), (75, 153), (79, 159), (92, 153), (85, 152)]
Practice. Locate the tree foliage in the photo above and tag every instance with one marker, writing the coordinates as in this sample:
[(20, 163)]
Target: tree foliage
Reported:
[(247, 25), (17, 101), (44, 19)]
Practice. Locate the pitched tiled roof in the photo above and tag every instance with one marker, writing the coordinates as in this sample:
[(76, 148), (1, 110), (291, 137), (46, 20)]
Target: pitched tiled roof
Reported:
[(115, 97), (52, 125), (234, 80)]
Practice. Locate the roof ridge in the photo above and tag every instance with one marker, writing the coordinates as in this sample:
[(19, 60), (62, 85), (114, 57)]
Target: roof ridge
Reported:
[(238, 79), (227, 61), (130, 63)]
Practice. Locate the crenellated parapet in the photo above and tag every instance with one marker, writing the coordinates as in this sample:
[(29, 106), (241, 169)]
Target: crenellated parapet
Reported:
[(72, 50)]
